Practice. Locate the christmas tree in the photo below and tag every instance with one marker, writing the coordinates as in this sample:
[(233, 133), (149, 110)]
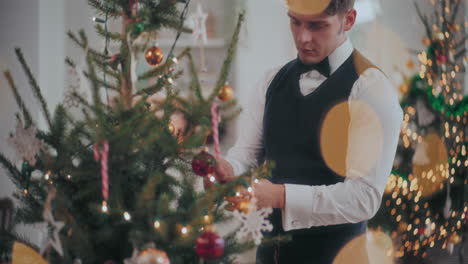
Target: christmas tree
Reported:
[(115, 182), (425, 203)]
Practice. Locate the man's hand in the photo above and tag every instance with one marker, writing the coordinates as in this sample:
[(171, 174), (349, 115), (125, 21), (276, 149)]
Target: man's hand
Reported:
[(223, 173), (269, 194)]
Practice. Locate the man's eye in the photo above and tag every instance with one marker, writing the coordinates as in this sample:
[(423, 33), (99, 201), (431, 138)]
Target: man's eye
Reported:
[(317, 26), (296, 23)]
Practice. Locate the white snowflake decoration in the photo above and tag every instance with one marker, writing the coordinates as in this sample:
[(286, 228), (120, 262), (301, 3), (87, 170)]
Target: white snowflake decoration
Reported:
[(253, 223), (25, 142), (197, 22)]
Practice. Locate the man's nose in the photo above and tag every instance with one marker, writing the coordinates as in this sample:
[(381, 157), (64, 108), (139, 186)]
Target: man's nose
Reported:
[(304, 35)]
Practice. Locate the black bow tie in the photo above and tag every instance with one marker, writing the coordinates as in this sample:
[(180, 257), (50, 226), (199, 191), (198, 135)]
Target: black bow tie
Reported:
[(322, 67)]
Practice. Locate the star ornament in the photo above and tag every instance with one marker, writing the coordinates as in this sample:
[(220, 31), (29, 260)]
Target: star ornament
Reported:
[(25, 142), (53, 240), (198, 23)]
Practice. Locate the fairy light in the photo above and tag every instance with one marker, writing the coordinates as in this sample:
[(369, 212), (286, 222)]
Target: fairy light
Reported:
[(127, 216), (47, 176), (184, 230), (207, 218), (157, 224), (104, 207), (69, 176), (212, 179)]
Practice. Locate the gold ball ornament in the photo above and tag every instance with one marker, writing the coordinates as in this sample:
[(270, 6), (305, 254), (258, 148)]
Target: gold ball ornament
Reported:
[(152, 256), (154, 56), (455, 239), (226, 93), (402, 227)]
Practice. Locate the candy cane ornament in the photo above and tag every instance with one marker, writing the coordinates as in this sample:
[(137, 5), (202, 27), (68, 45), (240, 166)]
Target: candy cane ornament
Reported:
[(103, 155), (215, 119)]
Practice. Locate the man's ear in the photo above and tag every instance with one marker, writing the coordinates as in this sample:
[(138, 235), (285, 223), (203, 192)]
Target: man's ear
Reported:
[(350, 19)]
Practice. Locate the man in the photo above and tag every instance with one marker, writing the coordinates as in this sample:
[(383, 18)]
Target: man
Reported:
[(328, 179)]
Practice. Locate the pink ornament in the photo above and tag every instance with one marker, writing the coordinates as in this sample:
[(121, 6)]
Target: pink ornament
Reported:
[(103, 155), (215, 119), (441, 59)]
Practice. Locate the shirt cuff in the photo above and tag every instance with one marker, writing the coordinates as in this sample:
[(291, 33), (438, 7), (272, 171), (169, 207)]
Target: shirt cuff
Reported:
[(298, 209)]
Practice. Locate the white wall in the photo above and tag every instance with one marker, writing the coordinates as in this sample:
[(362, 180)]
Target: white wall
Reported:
[(18, 27), (266, 43)]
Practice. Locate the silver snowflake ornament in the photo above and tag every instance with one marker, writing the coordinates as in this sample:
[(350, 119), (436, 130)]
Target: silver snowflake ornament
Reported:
[(25, 142), (253, 223)]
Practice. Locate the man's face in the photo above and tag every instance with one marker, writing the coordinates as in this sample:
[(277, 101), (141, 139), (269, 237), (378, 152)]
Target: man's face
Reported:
[(317, 36)]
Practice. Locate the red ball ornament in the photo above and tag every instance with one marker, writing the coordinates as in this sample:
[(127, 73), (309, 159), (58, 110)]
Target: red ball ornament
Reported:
[(209, 246), (421, 230), (203, 163), (441, 59)]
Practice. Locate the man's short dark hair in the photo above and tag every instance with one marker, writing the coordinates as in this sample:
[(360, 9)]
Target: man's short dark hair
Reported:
[(339, 7)]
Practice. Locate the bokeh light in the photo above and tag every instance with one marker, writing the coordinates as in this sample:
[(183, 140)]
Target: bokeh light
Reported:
[(430, 164), (364, 142), (307, 7), (374, 247)]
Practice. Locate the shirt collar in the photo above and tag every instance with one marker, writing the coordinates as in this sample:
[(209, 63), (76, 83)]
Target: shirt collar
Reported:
[(340, 55)]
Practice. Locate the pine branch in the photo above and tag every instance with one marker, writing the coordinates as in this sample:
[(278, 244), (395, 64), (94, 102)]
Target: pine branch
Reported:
[(460, 54), (111, 35), (100, 82), (14, 173), (195, 85), (231, 116), (163, 68), (455, 12), (423, 20), (228, 61), (113, 11), (461, 43), (75, 39), (34, 86), (19, 101)]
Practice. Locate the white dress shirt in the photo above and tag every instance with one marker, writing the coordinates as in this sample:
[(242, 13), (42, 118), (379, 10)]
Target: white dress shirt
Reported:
[(375, 123)]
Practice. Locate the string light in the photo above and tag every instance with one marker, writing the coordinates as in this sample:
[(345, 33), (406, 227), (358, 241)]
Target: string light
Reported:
[(104, 207), (47, 176), (157, 224), (127, 216)]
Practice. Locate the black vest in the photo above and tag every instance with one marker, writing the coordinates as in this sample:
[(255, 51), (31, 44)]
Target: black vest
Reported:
[(292, 127)]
